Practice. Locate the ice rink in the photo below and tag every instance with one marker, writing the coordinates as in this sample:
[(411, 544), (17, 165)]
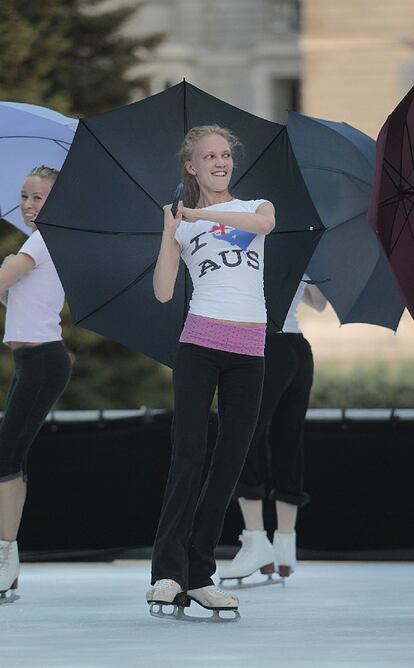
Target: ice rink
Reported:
[(329, 615)]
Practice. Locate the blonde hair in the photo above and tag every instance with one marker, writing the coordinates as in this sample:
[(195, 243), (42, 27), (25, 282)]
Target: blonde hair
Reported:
[(44, 172), (191, 191)]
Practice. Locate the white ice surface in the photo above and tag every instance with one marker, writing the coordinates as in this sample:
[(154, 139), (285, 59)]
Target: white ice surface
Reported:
[(94, 615)]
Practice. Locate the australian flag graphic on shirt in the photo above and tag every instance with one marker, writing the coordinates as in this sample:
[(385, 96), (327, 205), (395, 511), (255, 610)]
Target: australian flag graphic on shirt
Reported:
[(234, 237)]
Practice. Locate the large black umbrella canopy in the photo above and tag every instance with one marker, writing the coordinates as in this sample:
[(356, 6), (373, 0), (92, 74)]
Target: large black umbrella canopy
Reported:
[(337, 163), (103, 220)]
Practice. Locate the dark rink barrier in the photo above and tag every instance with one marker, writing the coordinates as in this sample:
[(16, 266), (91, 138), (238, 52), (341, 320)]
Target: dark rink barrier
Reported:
[(96, 482)]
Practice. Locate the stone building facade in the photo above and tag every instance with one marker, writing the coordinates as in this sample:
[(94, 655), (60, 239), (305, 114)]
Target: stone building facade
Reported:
[(357, 59), (243, 51)]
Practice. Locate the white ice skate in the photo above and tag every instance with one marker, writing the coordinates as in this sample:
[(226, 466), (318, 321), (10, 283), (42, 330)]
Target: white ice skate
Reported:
[(166, 593), (213, 598), (256, 553), (9, 571), (285, 553)]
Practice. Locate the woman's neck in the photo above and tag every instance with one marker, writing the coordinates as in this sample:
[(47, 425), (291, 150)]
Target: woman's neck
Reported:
[(209, 198)]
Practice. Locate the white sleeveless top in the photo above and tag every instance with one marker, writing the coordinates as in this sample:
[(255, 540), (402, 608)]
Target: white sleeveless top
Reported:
[(35, 301), (226, 266), (291, 324)]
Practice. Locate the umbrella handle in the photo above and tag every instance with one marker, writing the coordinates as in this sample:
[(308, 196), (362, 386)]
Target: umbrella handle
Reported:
[(177, 196)]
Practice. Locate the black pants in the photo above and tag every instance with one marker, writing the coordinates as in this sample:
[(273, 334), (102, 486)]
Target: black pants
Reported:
[(191, 522), (41, 374), (276, 451)]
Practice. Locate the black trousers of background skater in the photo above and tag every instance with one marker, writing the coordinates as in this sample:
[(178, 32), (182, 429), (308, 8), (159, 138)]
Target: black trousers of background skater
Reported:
[(277, 448), (41, 374), (191, 521)]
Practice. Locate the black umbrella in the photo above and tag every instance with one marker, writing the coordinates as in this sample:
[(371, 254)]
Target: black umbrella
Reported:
[(103, 220), (337, 163)]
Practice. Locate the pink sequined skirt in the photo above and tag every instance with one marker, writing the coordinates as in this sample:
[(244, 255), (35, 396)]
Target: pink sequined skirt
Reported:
[(209, 333)]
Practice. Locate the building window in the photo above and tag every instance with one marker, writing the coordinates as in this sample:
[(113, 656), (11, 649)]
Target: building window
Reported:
[(287, 15), (286, 97)]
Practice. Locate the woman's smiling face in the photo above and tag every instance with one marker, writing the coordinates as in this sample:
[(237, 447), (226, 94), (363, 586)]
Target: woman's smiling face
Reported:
[(32, 197), (212, 163)]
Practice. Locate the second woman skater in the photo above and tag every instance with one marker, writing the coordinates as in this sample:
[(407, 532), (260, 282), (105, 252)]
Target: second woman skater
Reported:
[(33, 294), (221, 240), (276, 453)]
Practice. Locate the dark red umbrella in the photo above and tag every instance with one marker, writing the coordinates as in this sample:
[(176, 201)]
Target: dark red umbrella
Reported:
[(391, 211)]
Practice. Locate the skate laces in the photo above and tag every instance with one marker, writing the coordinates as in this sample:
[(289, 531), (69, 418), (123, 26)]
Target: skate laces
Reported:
[(4, 555), (216, 590), (165, 584), (245, 548)]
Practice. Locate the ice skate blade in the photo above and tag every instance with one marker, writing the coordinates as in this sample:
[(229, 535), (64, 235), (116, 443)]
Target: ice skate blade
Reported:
[(11, 598), (225, 583), (178, 614), (214, 618), (157, 610)]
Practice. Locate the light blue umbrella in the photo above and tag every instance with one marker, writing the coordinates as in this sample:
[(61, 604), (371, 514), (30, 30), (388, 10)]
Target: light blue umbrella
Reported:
[(29, 136)]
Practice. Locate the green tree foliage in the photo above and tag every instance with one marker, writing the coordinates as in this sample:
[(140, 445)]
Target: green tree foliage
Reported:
[(32, 41), (70, 55), (99, 71)]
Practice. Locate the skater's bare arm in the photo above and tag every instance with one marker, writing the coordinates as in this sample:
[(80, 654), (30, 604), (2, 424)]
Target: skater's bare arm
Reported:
[(260, 222), (314, 298), (166, 269), (13, 268)]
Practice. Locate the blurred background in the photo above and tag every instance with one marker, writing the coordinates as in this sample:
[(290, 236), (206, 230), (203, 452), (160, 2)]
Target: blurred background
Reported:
[(343, 60)]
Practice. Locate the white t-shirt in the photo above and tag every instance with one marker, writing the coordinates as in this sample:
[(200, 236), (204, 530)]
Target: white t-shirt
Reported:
[(226, 266), (35, 301)]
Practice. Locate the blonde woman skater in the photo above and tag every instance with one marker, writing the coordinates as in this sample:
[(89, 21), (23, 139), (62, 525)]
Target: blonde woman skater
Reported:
[(221, 240), (31, 290)]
